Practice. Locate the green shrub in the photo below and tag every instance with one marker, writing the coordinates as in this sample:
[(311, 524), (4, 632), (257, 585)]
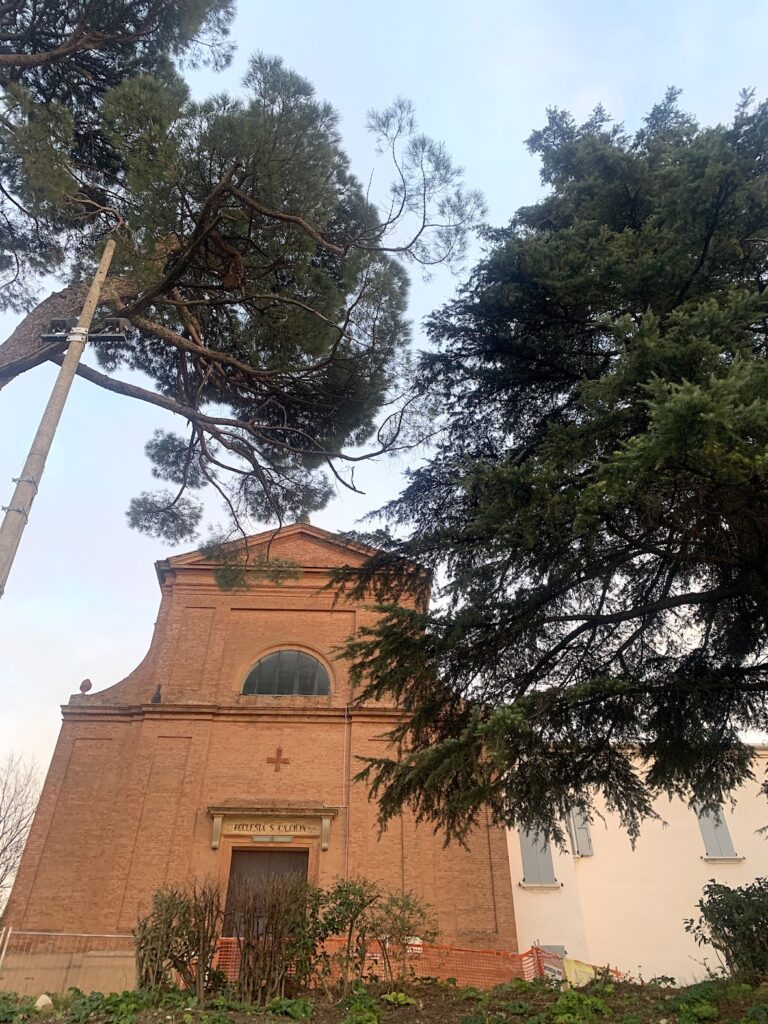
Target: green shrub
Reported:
[(296, 1009), (515, 986), (573, 1007), (516, 1009), (174, 999), (394, 921), (358, 1014), (757, 1014), (223, 1003), (699, 1002), (361, 1007), (361, 1015), (663, 981), (14, 1008), (277, 923), (179, 936), (734, 922), (346, 913), (693, 1012), (712, 991), (117, 1007), (207, 1017), (398, 999)]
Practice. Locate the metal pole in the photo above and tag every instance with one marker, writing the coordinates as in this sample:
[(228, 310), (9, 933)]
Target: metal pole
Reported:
[(17, 513)]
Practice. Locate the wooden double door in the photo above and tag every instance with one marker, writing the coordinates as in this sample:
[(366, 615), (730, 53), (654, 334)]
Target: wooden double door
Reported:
[(253, 868)]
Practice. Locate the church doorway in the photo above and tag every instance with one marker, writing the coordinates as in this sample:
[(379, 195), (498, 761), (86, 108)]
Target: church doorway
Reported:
[(253, 868)]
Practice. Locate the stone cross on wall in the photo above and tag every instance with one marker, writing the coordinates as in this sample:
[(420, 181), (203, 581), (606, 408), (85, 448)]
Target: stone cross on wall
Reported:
[(278, 759)]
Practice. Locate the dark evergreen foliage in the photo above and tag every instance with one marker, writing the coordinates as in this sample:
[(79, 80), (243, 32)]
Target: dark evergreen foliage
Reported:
[(595, 509)]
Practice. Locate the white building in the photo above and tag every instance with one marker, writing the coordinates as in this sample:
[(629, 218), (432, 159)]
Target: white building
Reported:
[(608, 904)]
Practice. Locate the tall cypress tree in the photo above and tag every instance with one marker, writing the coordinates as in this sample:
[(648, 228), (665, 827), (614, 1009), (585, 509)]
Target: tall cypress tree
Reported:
[(595, 512)]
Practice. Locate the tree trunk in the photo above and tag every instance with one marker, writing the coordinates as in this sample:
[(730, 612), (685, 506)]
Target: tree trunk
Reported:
[(23, 350)]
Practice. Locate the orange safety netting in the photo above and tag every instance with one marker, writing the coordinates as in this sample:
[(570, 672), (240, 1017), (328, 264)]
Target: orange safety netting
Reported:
[(483, 968)]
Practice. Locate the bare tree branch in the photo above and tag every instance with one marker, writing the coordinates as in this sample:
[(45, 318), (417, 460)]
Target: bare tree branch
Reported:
[(19, 788)]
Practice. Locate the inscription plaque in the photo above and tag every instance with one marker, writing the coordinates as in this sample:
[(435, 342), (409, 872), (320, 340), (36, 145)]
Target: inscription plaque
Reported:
[(271, 827)]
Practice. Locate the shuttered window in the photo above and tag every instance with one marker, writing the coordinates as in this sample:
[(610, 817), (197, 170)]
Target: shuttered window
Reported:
[(581, 838), (714, 832), (538, 868)]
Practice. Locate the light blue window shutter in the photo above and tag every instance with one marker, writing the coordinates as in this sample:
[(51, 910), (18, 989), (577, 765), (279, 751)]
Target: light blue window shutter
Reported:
[(538, 868), (582, 838), (714, 832)]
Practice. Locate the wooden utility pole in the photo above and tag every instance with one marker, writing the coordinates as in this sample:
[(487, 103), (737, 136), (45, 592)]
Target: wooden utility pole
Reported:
[(17, 513)]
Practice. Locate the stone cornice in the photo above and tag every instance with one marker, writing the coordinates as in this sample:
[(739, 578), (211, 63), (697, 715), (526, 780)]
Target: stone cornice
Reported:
[(210, 711), (201, 576), (284, 809)]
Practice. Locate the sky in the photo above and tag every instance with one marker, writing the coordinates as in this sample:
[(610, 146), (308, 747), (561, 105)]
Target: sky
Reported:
[(83, 595)]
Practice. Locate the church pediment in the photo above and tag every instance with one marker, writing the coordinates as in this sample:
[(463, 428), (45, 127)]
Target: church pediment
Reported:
[(307, 546), (208, 639)]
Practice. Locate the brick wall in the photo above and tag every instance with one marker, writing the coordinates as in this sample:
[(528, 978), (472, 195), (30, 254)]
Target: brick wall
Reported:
[(125, 805)]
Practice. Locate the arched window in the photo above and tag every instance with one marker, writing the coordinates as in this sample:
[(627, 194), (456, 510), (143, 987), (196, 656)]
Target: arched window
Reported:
[(288, 674)]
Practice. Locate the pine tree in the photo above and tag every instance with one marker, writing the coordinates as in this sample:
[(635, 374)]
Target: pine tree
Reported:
[(266, 292), (57, 62), (595, 509)]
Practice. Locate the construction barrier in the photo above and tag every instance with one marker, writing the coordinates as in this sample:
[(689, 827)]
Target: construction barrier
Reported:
[(482, 968), (36, 962)]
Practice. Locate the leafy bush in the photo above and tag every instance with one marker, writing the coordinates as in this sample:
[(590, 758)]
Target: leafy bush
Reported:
[(279, 926), (574, 1007), (14, 1008), (179, 935), (735, 923), (663, 980), (216, 1016), (347, 913), (693, 1011), (363, 914), (517, 1009), (361, 1007), (361, 1015), (116, 1007), (757, 1014), (395, 922), (296, 1009), (398, 999)]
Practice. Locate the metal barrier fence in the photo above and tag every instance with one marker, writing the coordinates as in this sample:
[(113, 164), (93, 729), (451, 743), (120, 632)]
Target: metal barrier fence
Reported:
[(36, 962)]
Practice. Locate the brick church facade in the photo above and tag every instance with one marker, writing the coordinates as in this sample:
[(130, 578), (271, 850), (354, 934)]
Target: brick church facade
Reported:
[(235, 739)]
